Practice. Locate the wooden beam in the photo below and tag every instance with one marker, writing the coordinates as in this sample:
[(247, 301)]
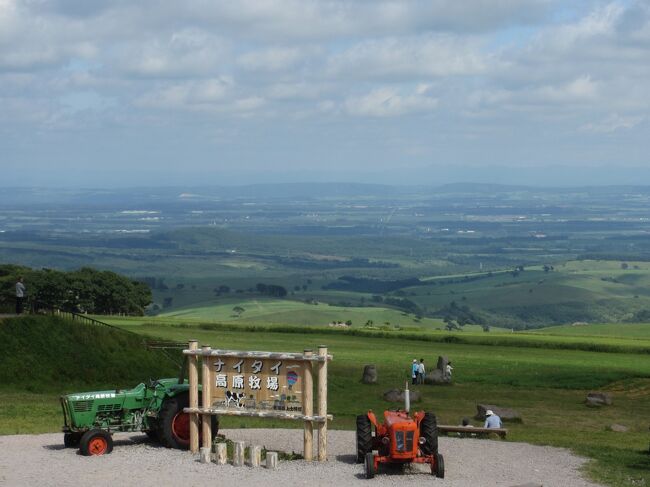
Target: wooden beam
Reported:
[(322, 404), (468, 430), (206, 396), (259, 414), (258, 355), (193, 375), (308, 407)]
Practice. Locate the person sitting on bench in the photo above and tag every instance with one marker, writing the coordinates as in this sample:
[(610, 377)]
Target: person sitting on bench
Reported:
[(492, 420)]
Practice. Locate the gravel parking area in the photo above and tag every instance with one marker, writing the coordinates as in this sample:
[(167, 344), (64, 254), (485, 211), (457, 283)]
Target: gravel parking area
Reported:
[(28, 460)]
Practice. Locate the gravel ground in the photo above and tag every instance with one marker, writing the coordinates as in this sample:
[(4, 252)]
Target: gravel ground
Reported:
[(28, 460)]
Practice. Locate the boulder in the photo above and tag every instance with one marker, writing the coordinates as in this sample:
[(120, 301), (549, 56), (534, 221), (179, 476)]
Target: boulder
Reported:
[(369, 374), (598, 399), (619, 428), (436, 376), (506, 414), (395, 395), (442, 364)]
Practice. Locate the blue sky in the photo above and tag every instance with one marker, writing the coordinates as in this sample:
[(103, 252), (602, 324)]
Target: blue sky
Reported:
[(122, 93)]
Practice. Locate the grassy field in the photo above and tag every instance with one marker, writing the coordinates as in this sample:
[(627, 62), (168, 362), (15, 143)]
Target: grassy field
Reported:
[(288, 312), (545, 383), (576, 291)]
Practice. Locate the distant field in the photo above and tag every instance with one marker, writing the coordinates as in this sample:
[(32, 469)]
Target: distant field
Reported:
[(288, 312), (613, 330), (575, 291)]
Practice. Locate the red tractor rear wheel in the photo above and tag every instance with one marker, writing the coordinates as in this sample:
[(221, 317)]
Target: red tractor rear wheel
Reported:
[(364, 437), (96, 442), (429, 431)]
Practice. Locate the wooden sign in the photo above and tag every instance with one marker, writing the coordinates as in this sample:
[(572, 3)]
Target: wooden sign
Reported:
[(256, 384)]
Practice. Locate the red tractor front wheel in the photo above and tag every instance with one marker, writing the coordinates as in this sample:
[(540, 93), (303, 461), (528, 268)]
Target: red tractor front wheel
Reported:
[(96, 442)]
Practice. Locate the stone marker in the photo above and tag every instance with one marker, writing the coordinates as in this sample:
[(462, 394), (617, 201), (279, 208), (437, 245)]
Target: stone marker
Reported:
[(396, 395), (271, 460), (438, 375), (221, 456), (255, 456), (206, 454), (596, 399), (506, 414), (238, 455), (619, 428), (369, 374)]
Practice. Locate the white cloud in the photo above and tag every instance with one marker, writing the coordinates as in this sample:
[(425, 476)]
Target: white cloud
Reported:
[(274, 58), (398, 58), (388, 102), (613, 123)]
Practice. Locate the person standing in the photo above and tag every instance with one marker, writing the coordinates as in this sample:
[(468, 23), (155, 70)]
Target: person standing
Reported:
[(421, 372), (414, 371), (449, 369), (20, 295)]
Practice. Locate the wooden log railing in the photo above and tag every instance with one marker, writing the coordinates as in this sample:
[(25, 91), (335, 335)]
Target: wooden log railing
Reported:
[(471, 430)]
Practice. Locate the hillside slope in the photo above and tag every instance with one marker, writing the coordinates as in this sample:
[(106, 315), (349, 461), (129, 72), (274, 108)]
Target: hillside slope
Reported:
[(50, 353)]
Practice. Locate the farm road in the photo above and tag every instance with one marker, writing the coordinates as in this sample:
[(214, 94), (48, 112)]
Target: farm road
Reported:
[(28, 460)]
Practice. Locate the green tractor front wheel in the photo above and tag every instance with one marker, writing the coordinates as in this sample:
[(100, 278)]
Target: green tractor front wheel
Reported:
[(96, 442)]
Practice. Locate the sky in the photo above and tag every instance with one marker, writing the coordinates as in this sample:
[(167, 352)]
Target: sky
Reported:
[(122, 93)]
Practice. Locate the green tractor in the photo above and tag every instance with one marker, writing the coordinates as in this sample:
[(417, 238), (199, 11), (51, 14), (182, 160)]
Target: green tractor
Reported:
[(156, 409)]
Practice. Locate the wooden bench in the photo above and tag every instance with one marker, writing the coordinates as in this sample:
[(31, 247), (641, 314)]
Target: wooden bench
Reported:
[(470, 430)]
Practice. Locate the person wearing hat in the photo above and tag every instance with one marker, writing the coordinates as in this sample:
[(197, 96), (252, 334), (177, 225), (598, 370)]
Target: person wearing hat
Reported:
[(414, 371), (492, 420)]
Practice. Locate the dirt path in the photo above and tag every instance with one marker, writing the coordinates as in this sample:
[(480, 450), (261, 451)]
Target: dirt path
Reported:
[(28, 460)]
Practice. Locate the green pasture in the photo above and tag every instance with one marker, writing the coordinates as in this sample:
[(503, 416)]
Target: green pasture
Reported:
[(282, 311), (544, 382), (634, 331)]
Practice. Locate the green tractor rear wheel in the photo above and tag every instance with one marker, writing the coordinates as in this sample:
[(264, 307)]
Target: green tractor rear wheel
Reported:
[(71, 440), (174, 424)]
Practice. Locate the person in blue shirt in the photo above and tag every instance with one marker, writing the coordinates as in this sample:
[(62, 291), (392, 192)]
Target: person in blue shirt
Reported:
[(492, 420), (414, 371)]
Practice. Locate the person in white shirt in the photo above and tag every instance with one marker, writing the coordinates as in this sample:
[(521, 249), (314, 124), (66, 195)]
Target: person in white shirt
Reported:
[(449, 369), (20, 295), (421, 372)]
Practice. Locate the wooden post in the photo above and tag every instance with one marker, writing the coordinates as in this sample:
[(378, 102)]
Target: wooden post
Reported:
[(308, 407), (322, 404), (222, 454), (206, 455), (271, 460), (206, 382), (193, 375), (255, 455), (238, 454)]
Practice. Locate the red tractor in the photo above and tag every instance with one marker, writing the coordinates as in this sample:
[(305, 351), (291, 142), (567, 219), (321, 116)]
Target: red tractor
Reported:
[(401, 439)]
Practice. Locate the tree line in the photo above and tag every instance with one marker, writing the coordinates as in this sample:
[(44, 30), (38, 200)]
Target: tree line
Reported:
[(85, 290)]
